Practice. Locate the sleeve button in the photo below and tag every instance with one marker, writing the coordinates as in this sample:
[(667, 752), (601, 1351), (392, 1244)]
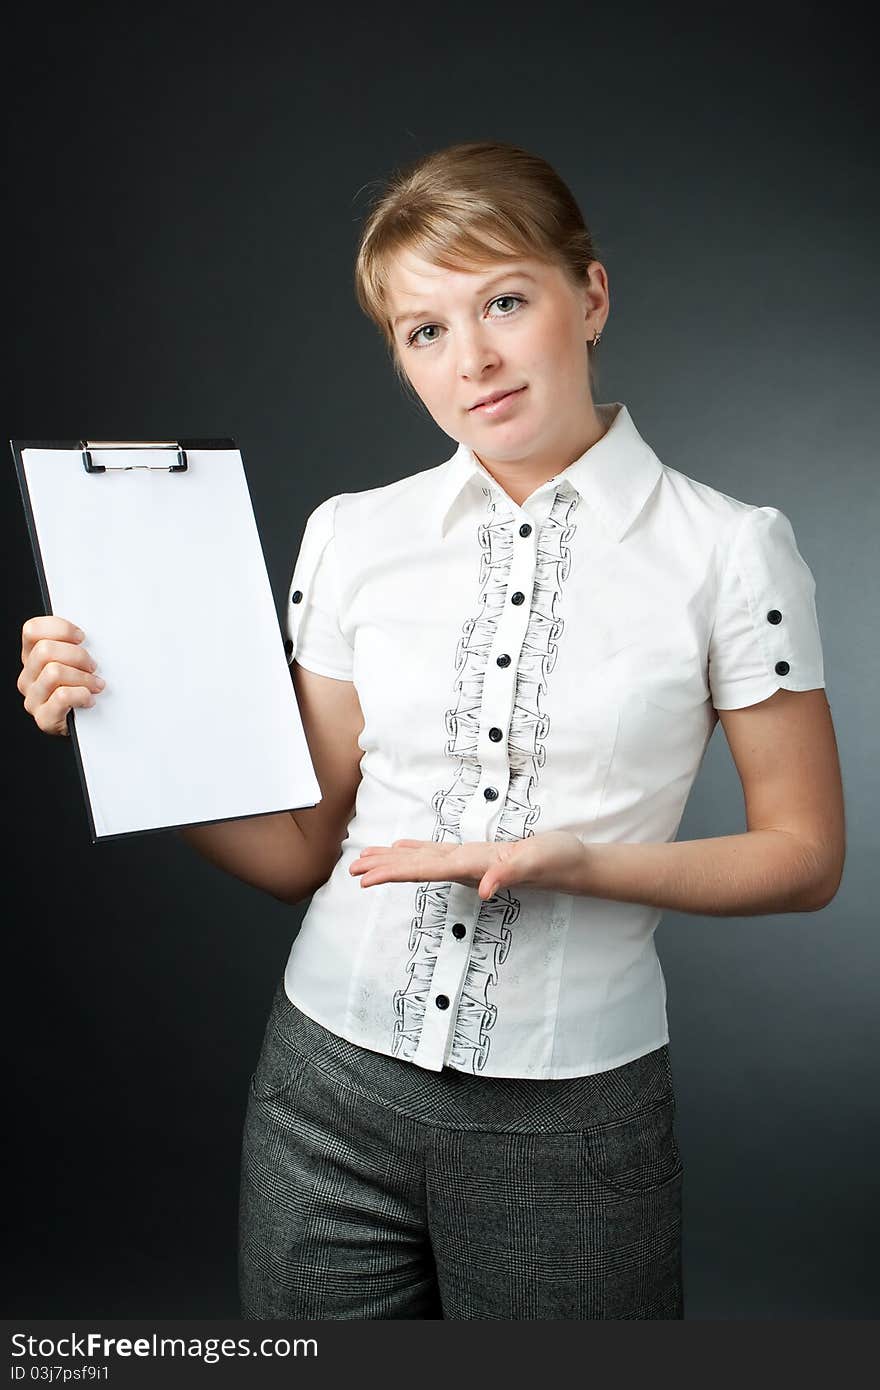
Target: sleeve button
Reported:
[(782, 668), (774, 616)]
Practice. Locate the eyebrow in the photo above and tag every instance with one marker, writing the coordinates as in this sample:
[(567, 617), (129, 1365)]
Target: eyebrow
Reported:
[(487, 285)]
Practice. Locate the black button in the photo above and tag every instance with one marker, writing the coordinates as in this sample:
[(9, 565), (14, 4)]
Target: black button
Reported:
[(495, 735), (458, 930), (502, 660), (774, 616), (288, 646), (296, 596), (441, 1001), (491, 794), (517, 597), (782, 668), (525, 529)]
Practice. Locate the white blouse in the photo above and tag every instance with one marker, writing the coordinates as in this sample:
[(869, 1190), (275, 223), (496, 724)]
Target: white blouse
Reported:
[(550, 666)]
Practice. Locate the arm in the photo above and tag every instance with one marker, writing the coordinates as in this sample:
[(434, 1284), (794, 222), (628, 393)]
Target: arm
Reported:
[(792, 855), (268, 852), (291, 853)]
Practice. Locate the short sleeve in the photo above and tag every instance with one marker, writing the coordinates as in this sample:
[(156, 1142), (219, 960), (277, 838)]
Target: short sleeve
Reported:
[(766, 631), (314, 637)]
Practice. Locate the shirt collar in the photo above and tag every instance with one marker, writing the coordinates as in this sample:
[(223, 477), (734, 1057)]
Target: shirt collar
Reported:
[(615, 476)]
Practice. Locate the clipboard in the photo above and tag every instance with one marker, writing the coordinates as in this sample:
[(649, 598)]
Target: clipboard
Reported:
[(152, 548)]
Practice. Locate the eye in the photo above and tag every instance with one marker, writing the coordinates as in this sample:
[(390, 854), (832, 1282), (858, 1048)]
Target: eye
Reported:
[(515, 299), (411, 340), (511, 299)]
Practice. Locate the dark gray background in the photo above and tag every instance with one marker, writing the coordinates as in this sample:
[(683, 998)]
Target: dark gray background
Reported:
[(185, 191)]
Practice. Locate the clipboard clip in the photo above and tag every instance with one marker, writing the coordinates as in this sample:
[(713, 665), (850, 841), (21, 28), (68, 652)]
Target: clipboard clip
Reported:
[(87, 445)]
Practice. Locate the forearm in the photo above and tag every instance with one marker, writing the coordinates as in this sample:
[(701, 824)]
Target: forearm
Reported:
[(759, 871), (269, 852)]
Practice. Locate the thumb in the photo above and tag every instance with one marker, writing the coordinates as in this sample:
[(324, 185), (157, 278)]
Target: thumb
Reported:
[(491, 881)]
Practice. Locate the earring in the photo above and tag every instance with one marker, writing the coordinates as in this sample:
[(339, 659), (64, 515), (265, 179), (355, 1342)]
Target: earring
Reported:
[(596, 336)]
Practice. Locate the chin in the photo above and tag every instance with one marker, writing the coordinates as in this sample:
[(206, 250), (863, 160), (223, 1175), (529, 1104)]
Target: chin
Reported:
[(515, 442)]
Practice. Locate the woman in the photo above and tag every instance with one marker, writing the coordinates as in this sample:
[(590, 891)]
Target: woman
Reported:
[(508, 667)]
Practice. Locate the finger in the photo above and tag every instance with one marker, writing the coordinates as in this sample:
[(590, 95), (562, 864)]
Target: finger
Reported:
[(47, 625), (51, 717), (372, 850), (502, 874), (45, 650), (385, 871), (57, 674), (369, 877), (363, 866)]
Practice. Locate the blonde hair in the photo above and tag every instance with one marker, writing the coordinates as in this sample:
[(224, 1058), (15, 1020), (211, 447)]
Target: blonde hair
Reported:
[(468, 205)]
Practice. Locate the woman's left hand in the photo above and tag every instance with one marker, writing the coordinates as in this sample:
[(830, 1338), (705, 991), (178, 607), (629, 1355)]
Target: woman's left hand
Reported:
[(553, 859)]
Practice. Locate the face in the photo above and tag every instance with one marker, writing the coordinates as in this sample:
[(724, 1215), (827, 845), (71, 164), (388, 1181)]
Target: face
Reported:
[(519, 326)]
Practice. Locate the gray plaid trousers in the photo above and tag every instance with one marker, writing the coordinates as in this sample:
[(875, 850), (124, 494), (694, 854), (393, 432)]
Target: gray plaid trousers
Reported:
[(373, 1188)]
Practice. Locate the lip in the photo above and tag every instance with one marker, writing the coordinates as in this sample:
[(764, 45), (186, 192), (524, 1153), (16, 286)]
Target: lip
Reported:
[(492, 407)]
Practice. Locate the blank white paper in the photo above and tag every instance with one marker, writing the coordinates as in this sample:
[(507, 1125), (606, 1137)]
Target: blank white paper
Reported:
[(165, 574)]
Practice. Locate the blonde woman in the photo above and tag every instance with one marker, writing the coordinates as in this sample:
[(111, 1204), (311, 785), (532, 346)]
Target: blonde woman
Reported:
[(509, 666)]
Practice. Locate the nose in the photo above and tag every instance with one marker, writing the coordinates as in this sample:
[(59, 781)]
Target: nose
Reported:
[(476, 353)]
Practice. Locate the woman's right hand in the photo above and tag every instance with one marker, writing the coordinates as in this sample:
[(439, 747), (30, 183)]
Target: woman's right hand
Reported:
[(57, 672)]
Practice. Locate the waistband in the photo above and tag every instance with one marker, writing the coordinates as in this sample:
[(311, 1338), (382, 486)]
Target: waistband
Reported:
[(465, 1100)]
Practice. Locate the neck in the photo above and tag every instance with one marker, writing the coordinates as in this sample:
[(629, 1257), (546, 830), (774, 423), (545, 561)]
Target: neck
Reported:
[(521, 477)]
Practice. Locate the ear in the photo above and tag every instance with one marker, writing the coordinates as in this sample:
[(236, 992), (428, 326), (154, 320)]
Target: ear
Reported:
[(589, 306), (596, 291), (589, 309)]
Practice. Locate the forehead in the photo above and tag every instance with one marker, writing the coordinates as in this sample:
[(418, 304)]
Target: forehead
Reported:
[(409, 275)]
